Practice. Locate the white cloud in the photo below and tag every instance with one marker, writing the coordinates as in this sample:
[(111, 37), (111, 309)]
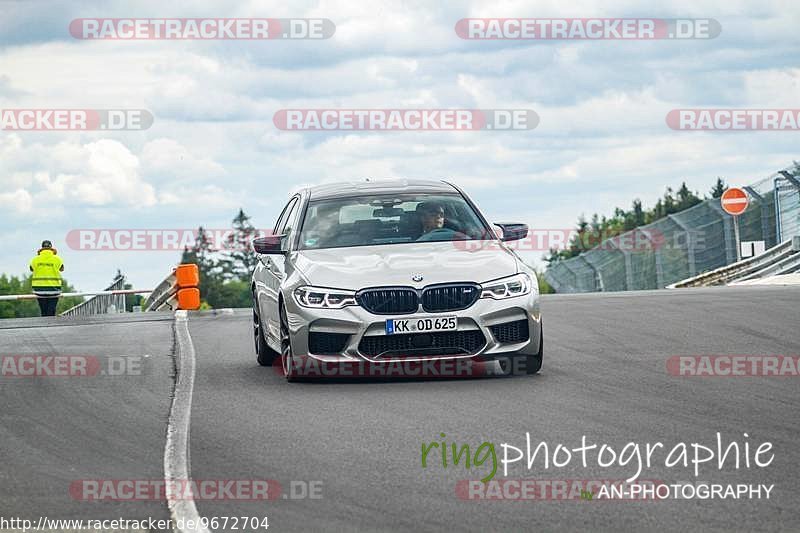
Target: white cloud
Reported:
[(109, 175), (19, 201), (167, 158)]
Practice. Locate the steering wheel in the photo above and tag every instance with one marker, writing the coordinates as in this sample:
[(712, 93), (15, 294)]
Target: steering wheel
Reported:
[(434, 233)]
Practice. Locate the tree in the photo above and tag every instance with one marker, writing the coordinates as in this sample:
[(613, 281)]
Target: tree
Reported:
[(669, 202), (224, 276), (132, 299), (29, 308), (544, 287), (240, 261), (718, 188), (686, 198), (588, 235)]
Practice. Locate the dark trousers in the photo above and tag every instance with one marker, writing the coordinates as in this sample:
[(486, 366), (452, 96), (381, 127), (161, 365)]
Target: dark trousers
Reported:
[(47, 306)]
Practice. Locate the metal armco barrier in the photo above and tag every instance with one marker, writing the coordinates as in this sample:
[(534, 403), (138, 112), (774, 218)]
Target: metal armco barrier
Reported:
[(781, 259), (178, 291), (101, 303)]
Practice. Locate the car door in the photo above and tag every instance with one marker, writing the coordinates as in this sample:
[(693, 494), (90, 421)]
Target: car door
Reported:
[(263, 283), (275, 268)]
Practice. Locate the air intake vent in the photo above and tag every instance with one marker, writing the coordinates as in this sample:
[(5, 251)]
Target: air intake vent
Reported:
[(327, 343), (466, 342), (509, 332)]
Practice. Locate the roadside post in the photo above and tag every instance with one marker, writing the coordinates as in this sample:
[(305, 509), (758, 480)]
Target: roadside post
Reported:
[(735, 201)]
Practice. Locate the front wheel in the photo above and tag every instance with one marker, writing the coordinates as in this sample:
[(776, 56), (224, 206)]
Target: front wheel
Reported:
[(289, 368), (532, 363), (264, 354)]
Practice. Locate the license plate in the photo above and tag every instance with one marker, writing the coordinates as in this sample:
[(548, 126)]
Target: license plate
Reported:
[(421, 325)]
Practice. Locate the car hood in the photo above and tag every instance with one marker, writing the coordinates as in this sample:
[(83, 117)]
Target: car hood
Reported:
[(437, 262)]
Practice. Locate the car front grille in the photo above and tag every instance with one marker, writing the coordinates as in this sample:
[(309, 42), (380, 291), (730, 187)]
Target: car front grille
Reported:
[(450, 297), (389, 301), (516, 331), (326, 343), (465, 342), (406, 300)]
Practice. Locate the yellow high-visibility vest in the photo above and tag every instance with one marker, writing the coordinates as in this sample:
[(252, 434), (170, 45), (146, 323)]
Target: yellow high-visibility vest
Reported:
[(46, 268)]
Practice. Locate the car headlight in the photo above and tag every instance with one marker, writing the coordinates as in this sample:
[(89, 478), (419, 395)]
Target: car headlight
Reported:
[(324, 298), (516, 285)]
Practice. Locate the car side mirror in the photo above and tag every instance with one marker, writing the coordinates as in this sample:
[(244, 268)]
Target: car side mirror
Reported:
[(513, 232), (272, 244)]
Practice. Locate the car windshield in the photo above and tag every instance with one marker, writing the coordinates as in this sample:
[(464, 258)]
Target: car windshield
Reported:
[(390, 219)]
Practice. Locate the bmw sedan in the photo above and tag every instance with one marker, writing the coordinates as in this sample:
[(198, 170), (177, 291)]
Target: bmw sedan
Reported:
[(399, 271)]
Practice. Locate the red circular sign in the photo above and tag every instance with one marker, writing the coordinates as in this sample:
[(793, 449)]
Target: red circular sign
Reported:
[(734, 201)]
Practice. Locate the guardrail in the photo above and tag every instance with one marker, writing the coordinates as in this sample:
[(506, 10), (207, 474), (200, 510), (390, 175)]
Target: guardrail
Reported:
[(787, 265), (107, 301), (179, 290), (777, 259)]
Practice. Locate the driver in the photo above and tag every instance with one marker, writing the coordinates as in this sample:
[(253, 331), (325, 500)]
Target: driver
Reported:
[(432, 219), (432, 214)]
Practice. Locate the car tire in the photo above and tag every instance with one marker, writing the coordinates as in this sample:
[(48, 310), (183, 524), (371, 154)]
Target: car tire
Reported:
[(264, 354), (533, 363), (289, 369)]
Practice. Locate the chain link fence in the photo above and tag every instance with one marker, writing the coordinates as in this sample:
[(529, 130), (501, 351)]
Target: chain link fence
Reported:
[(684, 244)]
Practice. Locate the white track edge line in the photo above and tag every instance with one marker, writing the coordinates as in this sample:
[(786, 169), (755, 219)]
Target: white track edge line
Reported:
[(176, 449)]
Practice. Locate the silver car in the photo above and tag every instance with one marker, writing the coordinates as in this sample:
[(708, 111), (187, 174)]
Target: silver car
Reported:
[(383, 272)]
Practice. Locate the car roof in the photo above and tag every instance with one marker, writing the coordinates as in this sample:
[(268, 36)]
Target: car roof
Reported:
[(379, 186)]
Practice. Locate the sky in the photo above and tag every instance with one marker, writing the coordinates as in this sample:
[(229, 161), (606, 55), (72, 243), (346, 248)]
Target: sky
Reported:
[(213, 148)]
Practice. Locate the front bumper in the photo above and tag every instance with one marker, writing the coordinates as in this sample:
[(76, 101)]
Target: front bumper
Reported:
[(357, 323)]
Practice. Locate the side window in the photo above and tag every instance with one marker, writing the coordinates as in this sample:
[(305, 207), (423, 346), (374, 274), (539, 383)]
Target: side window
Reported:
[(287, 221), (282, 218)]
